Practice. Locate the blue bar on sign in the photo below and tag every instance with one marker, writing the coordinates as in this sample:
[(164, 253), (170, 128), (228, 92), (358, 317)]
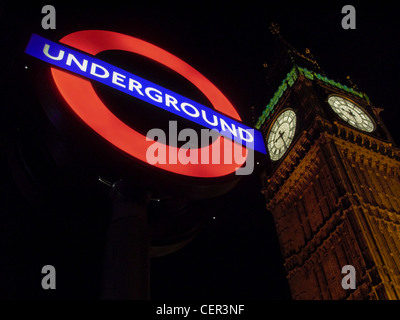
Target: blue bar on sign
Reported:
[(133, 85)]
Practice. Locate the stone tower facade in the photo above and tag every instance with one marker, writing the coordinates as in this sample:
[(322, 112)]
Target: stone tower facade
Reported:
[(334, 192)]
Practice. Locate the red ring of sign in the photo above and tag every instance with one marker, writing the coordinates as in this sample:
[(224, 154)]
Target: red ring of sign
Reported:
[(83, 100)]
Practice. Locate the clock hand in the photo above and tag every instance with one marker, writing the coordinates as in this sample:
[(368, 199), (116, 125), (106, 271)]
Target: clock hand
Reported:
[(349, 113), (352, 114), (284, 143), (281, 133), (280, 136)]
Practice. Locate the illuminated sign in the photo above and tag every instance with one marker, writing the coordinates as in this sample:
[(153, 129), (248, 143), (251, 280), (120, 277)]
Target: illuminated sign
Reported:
[(83, 100)]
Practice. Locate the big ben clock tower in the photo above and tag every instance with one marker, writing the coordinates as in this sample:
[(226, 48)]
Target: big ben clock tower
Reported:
[(331, 183)]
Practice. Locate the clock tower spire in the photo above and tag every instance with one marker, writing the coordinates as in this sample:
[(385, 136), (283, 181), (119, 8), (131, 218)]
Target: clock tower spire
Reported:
[(291, 55), (331, 182)]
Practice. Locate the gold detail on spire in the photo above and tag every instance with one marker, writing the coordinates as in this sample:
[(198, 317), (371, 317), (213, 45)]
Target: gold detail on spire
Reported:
[(352, 84), (274, 28)]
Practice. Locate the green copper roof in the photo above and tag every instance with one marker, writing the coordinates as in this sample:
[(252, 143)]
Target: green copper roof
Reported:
[(291, 77)]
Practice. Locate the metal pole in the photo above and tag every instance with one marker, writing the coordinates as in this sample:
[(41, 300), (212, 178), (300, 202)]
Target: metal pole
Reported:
[(126, 269)]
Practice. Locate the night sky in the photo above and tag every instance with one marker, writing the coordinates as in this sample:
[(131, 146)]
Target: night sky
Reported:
[(236, 255)]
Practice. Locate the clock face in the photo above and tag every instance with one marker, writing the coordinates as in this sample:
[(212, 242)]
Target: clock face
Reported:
[(281, 134), (351, 113)]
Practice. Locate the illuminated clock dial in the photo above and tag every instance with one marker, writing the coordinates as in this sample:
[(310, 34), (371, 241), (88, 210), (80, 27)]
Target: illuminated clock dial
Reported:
[(351, 113), (281, 134)]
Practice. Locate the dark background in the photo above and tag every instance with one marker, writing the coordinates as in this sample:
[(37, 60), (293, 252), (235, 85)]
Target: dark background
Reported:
[(236, 255)]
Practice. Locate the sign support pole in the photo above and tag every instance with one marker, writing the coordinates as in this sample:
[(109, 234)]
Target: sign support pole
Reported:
[(126, 269)]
